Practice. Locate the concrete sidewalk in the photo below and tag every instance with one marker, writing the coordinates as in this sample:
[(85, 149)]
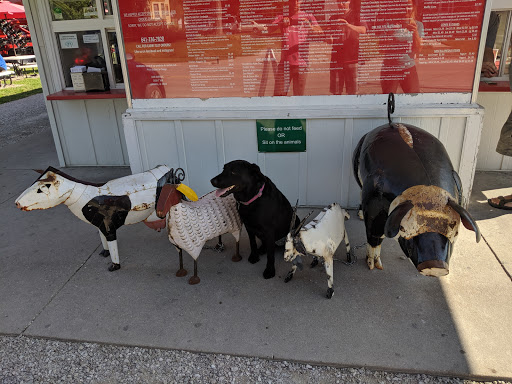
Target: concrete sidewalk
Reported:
[(55, 285)]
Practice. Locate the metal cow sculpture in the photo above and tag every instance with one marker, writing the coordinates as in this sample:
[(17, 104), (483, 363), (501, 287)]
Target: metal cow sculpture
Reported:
[(126, 200), (410, 192)]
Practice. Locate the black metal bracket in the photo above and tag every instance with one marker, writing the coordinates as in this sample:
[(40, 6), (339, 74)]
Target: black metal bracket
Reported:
[(391, 106)]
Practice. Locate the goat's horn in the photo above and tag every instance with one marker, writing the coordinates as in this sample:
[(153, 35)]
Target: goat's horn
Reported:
[(294, 216), (302, 223)]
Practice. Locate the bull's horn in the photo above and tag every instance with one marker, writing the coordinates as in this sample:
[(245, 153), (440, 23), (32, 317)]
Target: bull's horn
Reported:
[(294, 216), (395, 218), (301, 224), (466, 218)]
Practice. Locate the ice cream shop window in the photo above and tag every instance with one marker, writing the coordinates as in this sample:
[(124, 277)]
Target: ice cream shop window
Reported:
[(86, 41)]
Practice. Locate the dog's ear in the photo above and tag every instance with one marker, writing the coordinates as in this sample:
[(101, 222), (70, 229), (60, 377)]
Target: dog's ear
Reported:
[(255, 168)]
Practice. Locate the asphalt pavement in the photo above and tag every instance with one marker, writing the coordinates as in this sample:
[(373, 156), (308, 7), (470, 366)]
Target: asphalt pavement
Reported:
[(65, 318)]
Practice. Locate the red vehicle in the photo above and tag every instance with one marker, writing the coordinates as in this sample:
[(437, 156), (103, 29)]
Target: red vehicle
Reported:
[(15, 37)]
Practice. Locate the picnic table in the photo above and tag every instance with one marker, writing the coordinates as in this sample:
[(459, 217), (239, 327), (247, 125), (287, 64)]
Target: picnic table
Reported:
[(22, 63)]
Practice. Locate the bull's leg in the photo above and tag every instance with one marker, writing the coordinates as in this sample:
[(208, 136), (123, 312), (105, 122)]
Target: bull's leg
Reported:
[(328, 263), (350, 252), (104, 243), (182, 271), (290, 274), (194, 279), (114, 255)]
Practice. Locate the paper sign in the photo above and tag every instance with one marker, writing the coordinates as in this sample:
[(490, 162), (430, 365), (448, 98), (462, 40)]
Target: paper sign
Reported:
[(68, 40), (91, 38)]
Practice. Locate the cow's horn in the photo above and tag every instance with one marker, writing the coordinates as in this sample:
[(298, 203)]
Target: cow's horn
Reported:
[(466, 218), (395, 218)]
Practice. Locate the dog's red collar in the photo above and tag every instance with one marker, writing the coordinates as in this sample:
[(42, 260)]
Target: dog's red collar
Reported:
[(260, 192)]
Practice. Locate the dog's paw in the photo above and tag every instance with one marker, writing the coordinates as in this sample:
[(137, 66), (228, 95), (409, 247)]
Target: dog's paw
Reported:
[(269, 273), (253, 259)]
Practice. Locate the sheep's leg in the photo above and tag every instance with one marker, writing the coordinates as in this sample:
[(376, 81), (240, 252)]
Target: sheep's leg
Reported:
[(328, 263), (194, 279), (220, 245), (290, 274), (236, 257), (314, 263), (350, 252), (104, 243), (182, 271), (114, 255)]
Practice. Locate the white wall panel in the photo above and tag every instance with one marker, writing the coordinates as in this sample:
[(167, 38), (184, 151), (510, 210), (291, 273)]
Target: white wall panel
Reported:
[(158, 144), (74, 130), (239, 141), (104, 132), (121, 105), (200, 150)]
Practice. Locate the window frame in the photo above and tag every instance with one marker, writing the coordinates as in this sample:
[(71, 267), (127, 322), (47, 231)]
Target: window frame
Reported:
[(103, 23), (507, 37)]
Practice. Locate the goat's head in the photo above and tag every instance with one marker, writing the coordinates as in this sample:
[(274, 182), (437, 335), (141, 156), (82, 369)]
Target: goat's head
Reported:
[(166, 198), (294, 248)]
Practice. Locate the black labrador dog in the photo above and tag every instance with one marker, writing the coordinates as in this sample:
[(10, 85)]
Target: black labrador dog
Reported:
[(264, 210)]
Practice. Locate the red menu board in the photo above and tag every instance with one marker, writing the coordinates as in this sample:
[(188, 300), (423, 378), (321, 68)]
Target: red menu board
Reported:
[(247, 48)]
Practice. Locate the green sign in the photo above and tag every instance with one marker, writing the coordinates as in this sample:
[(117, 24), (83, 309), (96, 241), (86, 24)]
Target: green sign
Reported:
[(281, 135)]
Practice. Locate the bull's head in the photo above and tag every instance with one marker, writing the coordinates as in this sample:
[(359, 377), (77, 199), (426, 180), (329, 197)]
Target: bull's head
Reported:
[(426, 221), (47, 191)]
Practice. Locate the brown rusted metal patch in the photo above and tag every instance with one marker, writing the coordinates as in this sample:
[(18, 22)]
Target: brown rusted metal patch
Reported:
[(405, 134), (430, 212), (142, 207)]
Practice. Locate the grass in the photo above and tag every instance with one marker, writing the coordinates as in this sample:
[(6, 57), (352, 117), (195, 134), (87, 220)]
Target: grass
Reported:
[(21, 87)]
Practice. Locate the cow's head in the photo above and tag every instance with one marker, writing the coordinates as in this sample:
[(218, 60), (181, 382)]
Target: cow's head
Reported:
[(425, 220), (49, 190)]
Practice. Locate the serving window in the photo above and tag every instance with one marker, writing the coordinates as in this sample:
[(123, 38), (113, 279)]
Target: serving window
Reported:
[(85, 36), (501, 54)]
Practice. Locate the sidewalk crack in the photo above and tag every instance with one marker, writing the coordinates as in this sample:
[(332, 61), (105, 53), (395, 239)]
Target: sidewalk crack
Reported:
[(497, 258), (22, 333)]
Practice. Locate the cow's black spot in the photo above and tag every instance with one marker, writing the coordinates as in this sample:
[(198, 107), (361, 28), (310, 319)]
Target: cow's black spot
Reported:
[(107, 213)]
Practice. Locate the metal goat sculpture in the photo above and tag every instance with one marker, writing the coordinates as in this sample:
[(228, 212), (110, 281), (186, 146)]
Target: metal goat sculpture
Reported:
[(108, 206)]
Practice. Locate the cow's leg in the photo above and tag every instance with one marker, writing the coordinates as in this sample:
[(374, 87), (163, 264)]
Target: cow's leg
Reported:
[(314, 263), (350, 252), (194, 279), (328, 263), (182, 271), (104, 243), (114, 255)]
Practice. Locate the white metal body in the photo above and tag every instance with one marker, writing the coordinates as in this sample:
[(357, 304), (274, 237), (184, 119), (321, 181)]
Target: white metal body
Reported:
[(55, 189), (321, 237), (190, 224)]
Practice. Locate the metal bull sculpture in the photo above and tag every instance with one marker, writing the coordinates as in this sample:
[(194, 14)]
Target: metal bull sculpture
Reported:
[(410, 192), (108, 206)]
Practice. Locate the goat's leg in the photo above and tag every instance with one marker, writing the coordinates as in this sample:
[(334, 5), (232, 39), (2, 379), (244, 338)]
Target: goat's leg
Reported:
[(350, 252), (105, 252), (328, 263), (290, 274), (182, 271), (194, 279)]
